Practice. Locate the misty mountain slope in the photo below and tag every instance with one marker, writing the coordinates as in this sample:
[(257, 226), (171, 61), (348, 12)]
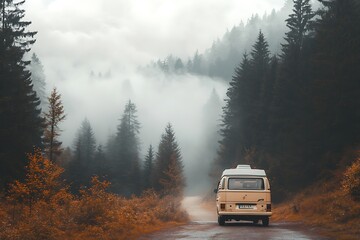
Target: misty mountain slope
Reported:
[(225, 54)]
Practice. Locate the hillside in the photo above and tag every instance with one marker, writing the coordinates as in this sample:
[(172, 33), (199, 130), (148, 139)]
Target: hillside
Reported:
[(332, 205)]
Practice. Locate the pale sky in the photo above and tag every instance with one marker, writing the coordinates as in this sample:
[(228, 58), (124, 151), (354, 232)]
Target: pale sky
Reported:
[(134, 31)]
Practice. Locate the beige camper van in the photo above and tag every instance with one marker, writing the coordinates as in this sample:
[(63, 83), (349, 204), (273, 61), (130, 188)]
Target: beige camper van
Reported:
[(243, 194)]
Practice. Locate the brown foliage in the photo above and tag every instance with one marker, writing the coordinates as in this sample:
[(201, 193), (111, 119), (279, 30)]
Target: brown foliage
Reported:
[(41, 207), (328, 204), (351, 179)]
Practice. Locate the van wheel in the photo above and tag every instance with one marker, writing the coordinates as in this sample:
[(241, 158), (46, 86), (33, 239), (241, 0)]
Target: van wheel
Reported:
[(221, 220), (265, 221)]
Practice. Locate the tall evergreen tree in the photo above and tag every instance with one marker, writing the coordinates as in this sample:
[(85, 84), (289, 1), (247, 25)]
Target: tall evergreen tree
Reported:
[(79, 169), (244, 121), (86, 143), (38, 80), (169, 167), (148, 173), (300, 24), (127, 165), (20, 121), (291, 107), (53, 117), (260, 60), (238, 98)]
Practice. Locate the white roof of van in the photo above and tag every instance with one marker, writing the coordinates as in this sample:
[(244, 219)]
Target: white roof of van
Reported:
[(244, 172)]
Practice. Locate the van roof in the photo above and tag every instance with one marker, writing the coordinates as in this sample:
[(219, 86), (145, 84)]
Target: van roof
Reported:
[(244, 172)]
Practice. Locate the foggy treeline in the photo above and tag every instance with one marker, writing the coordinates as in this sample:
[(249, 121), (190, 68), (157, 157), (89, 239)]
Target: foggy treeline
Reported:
[(224, 54), (120, 161), (295, 112), (31, 119)]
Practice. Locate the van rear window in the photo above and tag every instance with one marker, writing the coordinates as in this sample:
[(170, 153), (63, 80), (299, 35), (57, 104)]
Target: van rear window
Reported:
[(246, 184)]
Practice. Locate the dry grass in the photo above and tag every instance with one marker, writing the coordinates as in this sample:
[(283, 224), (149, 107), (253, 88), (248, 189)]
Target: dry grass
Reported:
[(323, 206)]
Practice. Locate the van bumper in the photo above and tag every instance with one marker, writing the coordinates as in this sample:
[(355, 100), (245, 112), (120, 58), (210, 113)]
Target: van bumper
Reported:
[(226, 216), (252, 214)]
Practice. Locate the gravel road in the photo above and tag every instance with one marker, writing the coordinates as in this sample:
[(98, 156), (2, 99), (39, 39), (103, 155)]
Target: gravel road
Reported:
[(204, 226)]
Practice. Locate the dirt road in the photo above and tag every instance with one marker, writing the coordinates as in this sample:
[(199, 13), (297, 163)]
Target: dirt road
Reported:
[(204, 226)]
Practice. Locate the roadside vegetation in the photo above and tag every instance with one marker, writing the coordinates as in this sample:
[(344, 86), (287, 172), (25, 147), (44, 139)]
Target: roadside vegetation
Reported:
[(332, 205), (42, 207)]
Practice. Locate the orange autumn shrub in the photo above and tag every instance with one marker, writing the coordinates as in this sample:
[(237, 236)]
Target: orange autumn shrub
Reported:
[(41, 207), (351, 180)]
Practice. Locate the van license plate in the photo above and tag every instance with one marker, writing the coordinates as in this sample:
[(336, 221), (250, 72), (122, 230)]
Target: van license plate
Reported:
[(245, 206)]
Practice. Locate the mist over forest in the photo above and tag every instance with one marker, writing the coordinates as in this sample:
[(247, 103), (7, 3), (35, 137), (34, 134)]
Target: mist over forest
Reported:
[(96, 85), (112, 113), (100, 72)]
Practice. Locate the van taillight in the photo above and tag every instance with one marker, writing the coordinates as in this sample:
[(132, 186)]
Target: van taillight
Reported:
[(268, 207), (222, 206)]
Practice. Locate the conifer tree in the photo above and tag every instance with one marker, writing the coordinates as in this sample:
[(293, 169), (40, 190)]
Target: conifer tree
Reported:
[(20, 121), (169, 167), (149, 168), (260, 60), (79, 169), (237, 95), (243, 122), (127, 166), (53, 117), (38, 80), (300, 24)]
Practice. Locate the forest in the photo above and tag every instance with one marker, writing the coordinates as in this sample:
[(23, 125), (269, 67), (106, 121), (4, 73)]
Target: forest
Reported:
[(291, 108), (295, 113)]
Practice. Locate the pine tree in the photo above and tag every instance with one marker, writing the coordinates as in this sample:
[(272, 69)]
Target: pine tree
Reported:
[(79, 169), (179, 66), (288, 116), (231, 144), (127, 165), (38, 80), (260, 58), (149, 169), (53, 117), (20, 121), (260, 63), (172, 181), (244, 121), (169, 168), (197, 63), (300, 24)]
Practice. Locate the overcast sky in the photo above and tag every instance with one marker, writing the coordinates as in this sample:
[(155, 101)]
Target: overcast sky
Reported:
[(134, 31)]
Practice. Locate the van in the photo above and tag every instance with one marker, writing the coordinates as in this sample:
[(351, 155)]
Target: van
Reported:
[(243, 193)]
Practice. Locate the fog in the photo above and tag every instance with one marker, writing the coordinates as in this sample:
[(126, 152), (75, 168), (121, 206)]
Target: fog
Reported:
[(91, 50)]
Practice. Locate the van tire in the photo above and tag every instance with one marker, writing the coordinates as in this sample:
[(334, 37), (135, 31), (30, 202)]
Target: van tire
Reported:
[(265, 221), (221, 220)]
